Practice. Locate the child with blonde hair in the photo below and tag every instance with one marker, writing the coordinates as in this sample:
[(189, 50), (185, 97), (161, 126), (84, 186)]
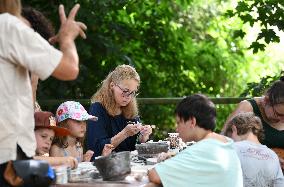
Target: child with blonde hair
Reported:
[(115, 105)]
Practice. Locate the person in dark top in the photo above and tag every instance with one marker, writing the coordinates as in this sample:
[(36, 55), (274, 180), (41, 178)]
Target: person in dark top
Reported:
[(115, 106), (270, 109)]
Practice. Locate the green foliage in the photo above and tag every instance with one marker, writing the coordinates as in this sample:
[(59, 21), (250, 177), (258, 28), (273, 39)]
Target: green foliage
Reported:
[(178, 48), (266, 13), (255, 89)]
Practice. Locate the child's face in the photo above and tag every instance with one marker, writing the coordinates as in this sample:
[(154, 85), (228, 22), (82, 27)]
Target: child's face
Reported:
[(44, 138), (77, 128)]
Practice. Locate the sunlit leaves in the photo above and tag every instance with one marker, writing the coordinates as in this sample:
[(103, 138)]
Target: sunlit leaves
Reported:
[(255, 46), (267, 13), (178, 48)]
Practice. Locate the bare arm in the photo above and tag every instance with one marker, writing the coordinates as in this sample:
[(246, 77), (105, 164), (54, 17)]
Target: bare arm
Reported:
[(154, 177), (57, 161), (56, 151), (34, 82), (117, 139), (243, 106), (68, 67), (129, 130)]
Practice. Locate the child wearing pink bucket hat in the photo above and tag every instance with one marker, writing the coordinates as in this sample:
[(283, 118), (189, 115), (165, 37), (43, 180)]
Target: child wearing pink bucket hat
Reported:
[(73, 116)]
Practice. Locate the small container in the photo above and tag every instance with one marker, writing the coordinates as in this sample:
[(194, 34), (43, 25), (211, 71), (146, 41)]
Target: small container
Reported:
[(174, 140), (61, 174)]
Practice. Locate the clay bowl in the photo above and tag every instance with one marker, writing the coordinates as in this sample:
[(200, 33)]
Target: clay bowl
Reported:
[(152, 149), (114, 167)]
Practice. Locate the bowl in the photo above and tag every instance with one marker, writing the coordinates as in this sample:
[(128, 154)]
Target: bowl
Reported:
[(152, 149), (114, 167)]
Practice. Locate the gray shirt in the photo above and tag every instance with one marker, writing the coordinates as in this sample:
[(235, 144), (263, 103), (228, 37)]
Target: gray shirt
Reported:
[(260, 165)]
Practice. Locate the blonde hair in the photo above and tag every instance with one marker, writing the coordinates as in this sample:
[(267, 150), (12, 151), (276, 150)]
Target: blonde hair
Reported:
[(105, 95), (246, 122), (13, 7)]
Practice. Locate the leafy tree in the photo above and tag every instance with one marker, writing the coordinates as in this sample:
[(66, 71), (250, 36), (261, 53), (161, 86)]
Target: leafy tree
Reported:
[(269, 14), (178, 48), (258, 88)]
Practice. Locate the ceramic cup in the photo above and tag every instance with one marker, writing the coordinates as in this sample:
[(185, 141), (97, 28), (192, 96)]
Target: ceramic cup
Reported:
[(174, 140)]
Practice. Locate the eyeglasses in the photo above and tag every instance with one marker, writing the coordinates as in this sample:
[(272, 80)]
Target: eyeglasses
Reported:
[(127, 93)]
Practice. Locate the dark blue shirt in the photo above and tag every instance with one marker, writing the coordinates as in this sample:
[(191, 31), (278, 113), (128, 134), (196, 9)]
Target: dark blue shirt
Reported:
[(101, 131)]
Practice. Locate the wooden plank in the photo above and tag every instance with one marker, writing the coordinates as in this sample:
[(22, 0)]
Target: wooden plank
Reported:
[(147, 101)]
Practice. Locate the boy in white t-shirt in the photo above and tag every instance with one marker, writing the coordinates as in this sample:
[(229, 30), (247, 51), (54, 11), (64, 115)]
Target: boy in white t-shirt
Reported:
[(212, 161)]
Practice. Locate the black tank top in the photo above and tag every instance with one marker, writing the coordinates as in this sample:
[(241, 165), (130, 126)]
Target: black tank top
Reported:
[(273, 137)]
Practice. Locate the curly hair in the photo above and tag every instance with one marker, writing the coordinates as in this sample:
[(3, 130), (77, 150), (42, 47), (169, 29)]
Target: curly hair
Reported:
[(105, 95), (246, 122), (38, 22)]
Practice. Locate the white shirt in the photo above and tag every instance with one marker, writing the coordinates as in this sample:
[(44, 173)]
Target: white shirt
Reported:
[(21, 50), (260, 165), (207, 163)]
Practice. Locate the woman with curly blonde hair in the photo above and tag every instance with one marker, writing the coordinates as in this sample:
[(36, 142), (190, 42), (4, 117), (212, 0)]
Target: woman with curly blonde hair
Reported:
[(116, 108)]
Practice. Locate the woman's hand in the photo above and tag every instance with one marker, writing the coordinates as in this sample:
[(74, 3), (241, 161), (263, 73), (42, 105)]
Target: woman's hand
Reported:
[(87, 156), (145, 131), (131, 129), (107, 149)]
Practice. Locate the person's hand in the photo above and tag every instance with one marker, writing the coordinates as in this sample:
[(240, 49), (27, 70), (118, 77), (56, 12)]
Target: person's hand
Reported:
[(70, 161), (87, 156), (69, 29), (146, 130), (164, 156), (107, 149), (131, 129)]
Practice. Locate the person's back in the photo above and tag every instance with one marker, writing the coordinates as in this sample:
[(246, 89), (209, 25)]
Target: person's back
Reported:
[(260, 165)]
